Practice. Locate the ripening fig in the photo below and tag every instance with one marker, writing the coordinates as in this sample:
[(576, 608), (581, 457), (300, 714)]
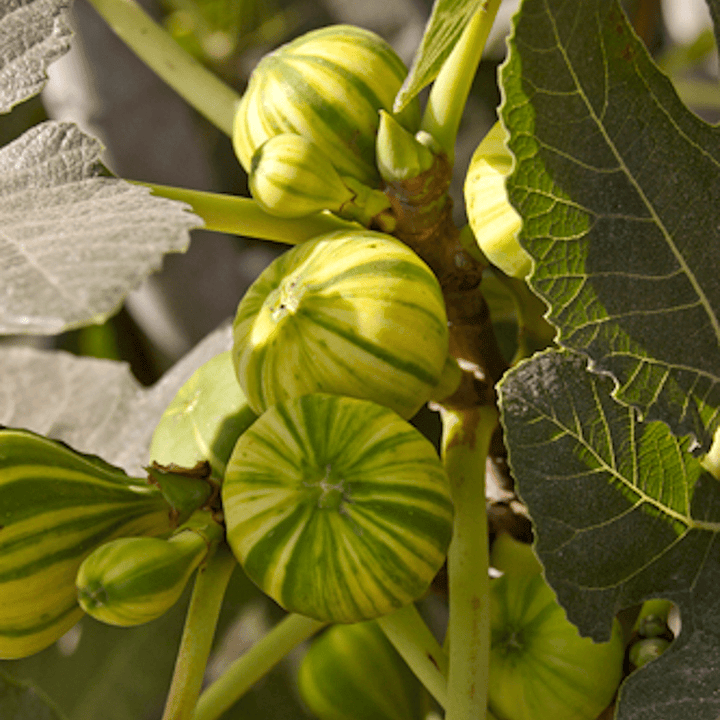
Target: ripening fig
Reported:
[(540, 666), (337, 508), (56, 506), (328, 86), (353, 672), (355, 313), (494, 222), (130, 581), (290, 176), (204, 419)]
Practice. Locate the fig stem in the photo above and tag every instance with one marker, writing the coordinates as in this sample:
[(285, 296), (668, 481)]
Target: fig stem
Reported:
[(152, 44), (200, 623), (465, 445), (243, 216), (242, 674), (451, 88), (416, 644)]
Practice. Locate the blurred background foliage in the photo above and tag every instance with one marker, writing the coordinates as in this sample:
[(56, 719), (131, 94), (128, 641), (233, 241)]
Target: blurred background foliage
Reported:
[(149, 134)]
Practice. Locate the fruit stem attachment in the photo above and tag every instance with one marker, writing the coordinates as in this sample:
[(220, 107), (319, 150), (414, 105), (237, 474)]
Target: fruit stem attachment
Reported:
[(416, 644), (207, 596), (465, 445), (256, 662), (209, 95), (451, 88), (243, 216)]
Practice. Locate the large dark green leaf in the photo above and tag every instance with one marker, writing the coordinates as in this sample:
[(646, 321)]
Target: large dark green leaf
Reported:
[(623, 512), (618, 184)]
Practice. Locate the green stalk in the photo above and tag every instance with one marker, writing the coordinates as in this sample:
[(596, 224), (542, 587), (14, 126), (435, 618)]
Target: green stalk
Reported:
[(208, 592), (450, 90), (466, 440), (243, 216), (209, 95), (256, 662), (416, 644)]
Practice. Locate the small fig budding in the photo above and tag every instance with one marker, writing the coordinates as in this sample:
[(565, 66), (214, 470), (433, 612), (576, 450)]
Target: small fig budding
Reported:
[(494, 222), (327, 86), (400, 156)]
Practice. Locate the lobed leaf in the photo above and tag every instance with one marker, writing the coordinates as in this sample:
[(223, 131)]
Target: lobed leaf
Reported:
[(33, 33), (444, 27), (74, 243), (618, 184), (623, 513)]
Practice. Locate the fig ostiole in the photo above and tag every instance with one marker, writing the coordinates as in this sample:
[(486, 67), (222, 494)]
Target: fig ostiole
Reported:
[(131, 581), (355, 313), (337, 508), (56, 506)]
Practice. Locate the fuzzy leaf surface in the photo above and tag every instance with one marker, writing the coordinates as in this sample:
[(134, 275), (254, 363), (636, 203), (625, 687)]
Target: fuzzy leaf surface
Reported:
[(444, 27), (623, 513), (74, 243), (96, 406), (618, 184), (33, 33)]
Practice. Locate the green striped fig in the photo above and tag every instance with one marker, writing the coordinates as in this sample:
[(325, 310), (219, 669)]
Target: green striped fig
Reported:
[(352, 672), (540, 666), (56, 507), (131, 581), (328, 86), (337, 508), (355, 313), (290, 176), (204, 420)]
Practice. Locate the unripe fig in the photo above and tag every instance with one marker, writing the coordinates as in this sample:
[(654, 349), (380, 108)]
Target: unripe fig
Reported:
[(204, 420), (337, 508), (131, 581), (647, 649), (292, 177), (494, 222), (352, 672), (355, 313), (56, 506), (327, 86), (540, 666)]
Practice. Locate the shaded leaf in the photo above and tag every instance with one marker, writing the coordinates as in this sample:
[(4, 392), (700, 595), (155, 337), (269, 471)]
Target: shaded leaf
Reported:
[(623, 512), (33, 33), (444, 27), (618, 184), (74, 243), (23, 701), (96, 406)]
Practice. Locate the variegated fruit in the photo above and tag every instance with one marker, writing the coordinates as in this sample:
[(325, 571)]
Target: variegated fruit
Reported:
[(204, 420), (337, 508), (494, 222), (56, 507), (328, 86), (540, 666), (355, 313), (352, 672), (131, 581)]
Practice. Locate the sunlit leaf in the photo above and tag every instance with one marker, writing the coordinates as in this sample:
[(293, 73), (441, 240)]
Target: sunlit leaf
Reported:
[(618, 184), (73, 242), (623, 512), (33, 33), (447, 21)]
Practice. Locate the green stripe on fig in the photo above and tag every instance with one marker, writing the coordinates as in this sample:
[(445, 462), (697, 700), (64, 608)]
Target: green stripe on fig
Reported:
[(328, 86), (56, 506), (337, 508), (355, 313)]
